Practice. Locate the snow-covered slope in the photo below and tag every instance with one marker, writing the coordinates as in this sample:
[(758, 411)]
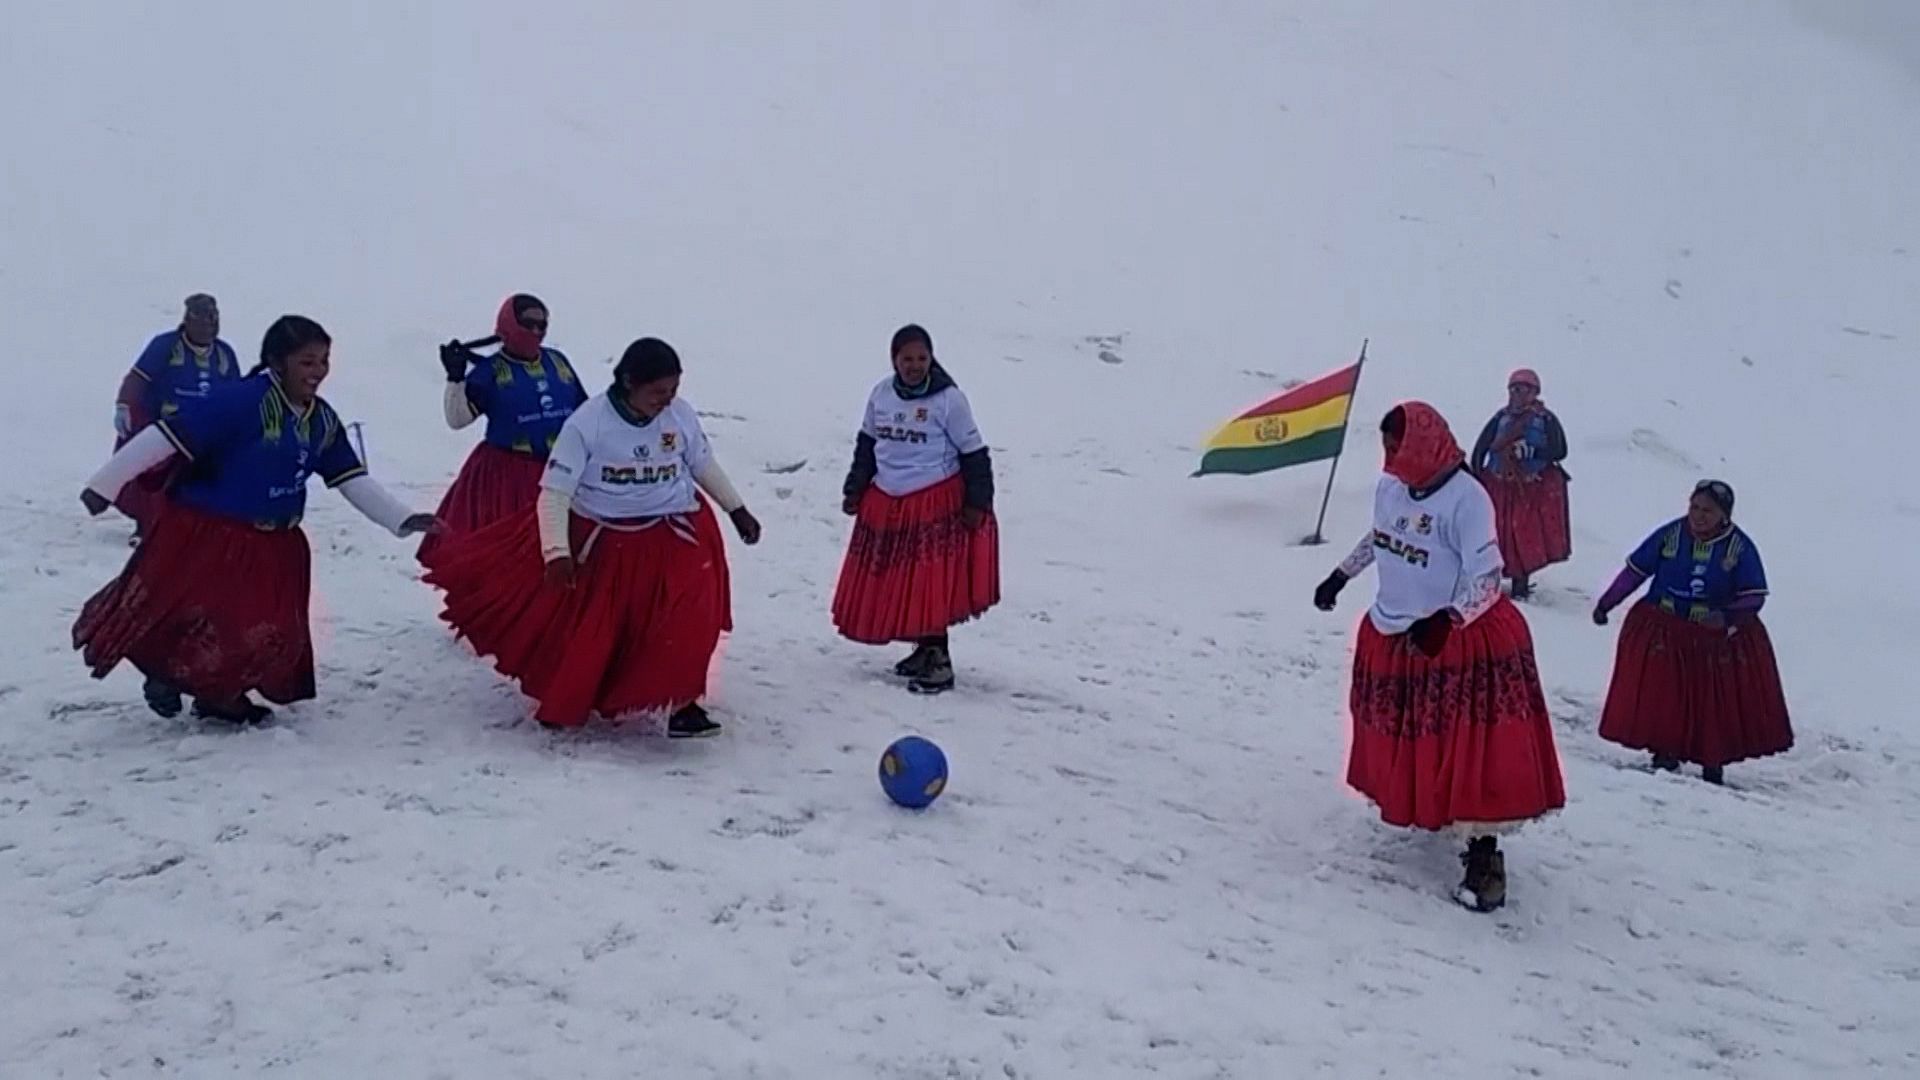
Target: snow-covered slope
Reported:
[(1122, 222)]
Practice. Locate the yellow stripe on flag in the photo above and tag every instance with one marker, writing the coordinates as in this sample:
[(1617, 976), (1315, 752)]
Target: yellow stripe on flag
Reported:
[(1260, 432)]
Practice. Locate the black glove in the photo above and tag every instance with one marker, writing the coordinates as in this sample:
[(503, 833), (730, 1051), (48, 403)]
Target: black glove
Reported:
[(1430, 634), (455, 357), (1329, 591)]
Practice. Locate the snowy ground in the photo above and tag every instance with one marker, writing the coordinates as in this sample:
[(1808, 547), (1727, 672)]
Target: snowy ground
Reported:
[(1122, 222)]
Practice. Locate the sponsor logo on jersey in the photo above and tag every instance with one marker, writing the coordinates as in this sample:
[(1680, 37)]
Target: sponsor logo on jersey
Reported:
[(1411, 554), (638, 475), (890, 433)]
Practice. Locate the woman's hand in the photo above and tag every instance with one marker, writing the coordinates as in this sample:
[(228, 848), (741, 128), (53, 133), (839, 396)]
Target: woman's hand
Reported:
[(560, 572), (746, 525), (422, 523), (1430, 634), (1328, 592)]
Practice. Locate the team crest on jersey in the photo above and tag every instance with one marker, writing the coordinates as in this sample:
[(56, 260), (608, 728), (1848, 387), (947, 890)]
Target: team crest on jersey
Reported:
[(920, 414), (669, 440), (900, 418), (1424, 526), (643, 451), (1400, 524)]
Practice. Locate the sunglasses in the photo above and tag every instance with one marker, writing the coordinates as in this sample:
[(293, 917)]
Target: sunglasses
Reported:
[(1714, 489)]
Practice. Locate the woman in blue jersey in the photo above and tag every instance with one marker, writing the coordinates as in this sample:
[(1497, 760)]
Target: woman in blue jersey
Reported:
[(525, 391), (178, 367), (1695, 678), (214, 603), (610, 594)]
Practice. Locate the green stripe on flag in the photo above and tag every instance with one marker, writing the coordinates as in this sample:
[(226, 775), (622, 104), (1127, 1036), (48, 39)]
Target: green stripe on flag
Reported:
[(1319, 446)]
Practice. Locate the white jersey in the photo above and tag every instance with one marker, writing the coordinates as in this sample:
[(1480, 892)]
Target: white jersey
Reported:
[(918, 442), (615, 468), (1434, 553)]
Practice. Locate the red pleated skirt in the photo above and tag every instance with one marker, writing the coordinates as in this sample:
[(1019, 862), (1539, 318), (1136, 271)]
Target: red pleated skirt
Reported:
[(214, 606), (1461, 741), (492, 485), (636, 633), (1533, 521), (1695, 693), (143, 496), (913, 568)]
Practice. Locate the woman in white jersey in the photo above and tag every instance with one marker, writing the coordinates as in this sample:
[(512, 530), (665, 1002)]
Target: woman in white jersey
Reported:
[(1450, 728), (925, 551), (609, 595)]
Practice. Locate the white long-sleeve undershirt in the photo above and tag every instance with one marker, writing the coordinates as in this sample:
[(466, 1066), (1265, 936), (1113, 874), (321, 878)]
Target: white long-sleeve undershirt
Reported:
[(376, 503), (142, 452), (455, 406), (151, 448), (1359, 558)]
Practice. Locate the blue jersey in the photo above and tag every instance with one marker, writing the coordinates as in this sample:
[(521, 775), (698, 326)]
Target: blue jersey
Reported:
[(251, 452), (176, 374), (1691, 577), (525, 404)]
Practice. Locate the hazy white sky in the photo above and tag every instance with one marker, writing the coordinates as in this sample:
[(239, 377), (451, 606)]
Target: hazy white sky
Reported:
[(1888, 28)]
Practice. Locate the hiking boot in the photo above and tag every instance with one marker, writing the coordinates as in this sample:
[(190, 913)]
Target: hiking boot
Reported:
[(1713, 774), (1484, 888), (691, 722), (1522, 588), (937, 677), (915, 665), (1663, 763), (163, 698)]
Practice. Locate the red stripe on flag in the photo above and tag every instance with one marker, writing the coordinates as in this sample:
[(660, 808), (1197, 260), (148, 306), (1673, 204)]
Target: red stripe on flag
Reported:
[(1313, 393)]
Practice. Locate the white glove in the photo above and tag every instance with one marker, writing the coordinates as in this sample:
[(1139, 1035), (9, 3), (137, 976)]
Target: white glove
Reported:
[(122, 421)]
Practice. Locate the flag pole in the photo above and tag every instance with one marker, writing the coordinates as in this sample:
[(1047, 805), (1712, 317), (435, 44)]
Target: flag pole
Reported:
[(1319, 528)]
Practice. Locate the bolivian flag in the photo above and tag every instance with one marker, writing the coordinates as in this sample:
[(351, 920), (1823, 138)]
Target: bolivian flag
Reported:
[(1307, 423)]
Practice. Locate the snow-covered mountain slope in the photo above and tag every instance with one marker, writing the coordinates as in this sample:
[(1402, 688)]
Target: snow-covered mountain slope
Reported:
[(1122, 223)]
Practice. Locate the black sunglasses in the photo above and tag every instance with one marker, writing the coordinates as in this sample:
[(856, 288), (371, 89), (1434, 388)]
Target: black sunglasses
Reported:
[(1718, 489)]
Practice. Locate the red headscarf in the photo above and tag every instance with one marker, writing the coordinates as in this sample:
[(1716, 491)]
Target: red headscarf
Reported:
[(1427, 447), (519, 340)]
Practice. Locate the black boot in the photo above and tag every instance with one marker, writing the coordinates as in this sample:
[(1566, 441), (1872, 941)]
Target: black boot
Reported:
[(1522, 587), (937, 678), (1484, 888), (922, 657), (241, 712), (1663, 763), (691, 722), (915, 665), (1713, 774), (163, 698)]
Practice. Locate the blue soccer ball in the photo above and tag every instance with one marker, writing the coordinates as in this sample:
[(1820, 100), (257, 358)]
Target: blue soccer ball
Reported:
[(913, 772)]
